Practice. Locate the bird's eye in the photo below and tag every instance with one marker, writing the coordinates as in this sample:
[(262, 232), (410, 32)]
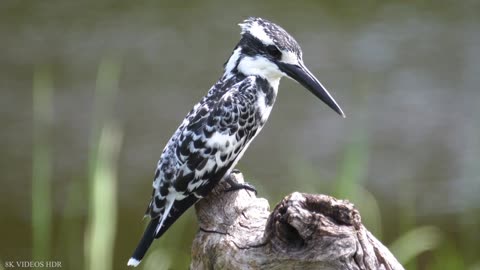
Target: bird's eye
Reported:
[(274, 51)]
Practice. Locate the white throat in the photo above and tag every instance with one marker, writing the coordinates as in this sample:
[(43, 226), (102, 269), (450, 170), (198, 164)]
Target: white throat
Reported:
[(260, 66)]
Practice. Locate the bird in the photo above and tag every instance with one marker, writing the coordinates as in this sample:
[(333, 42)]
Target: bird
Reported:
[(215, 134)]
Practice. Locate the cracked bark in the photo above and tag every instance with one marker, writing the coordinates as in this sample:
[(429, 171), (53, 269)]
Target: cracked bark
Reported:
[(304, 231)]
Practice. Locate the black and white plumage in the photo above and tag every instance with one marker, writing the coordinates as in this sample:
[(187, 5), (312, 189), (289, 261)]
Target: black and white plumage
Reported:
[(217, 131)]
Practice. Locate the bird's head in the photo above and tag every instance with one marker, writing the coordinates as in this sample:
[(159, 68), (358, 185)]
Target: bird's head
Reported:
[(268, 51)]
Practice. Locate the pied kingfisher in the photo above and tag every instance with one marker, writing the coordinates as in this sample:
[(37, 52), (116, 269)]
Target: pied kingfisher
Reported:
[(216, 132)]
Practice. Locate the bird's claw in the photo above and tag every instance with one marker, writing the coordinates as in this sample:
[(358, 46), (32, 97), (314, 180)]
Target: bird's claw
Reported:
[(234, 186), (238, 186)]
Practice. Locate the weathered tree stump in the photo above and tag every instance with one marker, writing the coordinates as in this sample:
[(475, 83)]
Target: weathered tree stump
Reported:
[(304, 231)]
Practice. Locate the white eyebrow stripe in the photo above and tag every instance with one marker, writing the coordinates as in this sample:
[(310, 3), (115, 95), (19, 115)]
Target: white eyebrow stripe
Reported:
[(259, 32)]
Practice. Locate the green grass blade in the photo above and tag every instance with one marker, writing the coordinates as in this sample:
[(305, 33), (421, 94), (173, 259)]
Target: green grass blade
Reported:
[(105, 144), (102, 223), (415, 242), (106, 90), (42, 164)]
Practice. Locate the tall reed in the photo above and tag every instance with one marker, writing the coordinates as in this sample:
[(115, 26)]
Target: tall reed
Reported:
[(105, 144), (42, 163)]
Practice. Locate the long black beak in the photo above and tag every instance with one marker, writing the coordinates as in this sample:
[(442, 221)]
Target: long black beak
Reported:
[(303, 76)]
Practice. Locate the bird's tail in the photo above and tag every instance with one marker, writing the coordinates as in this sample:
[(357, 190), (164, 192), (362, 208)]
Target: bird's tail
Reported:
[(154, 231), (145, 242)]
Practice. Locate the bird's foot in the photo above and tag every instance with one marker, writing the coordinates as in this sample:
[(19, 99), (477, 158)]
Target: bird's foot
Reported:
[(234, 186)]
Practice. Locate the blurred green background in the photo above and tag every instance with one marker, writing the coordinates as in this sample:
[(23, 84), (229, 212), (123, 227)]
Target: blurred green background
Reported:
[(92, 90)]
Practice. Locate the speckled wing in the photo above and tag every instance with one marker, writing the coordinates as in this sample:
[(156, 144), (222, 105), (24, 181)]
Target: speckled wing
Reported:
[(204, 148)]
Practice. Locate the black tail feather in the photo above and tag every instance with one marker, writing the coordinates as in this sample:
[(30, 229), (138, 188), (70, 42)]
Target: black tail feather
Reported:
[(179, 207), (145, 243)]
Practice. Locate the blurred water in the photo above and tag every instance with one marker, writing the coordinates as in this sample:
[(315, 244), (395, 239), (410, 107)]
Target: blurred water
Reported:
[(406, 74)]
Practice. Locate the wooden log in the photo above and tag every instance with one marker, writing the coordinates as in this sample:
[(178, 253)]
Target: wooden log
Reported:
[(304, 231)]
